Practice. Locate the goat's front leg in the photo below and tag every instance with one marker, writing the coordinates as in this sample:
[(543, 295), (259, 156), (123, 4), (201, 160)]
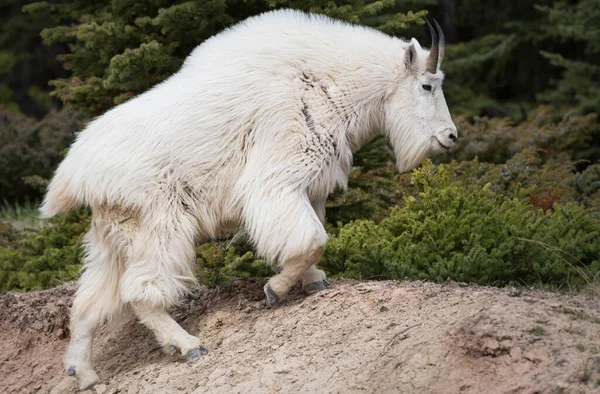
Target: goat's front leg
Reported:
[(314, 279), (287, 229), (292, 269)]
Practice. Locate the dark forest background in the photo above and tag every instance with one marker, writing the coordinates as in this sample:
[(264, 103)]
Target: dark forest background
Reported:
[(517, 201)]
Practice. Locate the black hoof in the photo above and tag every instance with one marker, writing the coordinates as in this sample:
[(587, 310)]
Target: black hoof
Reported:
[(172, 350), (197, 353), (272, 297), (312, 288), (71, 371)]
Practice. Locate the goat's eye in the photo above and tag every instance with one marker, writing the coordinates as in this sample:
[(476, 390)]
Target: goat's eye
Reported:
[(427, 87)]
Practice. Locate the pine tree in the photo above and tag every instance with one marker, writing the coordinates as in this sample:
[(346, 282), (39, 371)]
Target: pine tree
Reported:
[(578, 27), (119, 49), (26, 64)]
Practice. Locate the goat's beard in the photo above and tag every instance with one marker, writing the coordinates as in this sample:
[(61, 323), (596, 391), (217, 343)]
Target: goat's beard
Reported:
[(410, 151)]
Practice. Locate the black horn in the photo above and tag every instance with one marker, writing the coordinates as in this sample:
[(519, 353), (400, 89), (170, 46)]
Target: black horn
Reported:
[(441, 43), (432, 59)]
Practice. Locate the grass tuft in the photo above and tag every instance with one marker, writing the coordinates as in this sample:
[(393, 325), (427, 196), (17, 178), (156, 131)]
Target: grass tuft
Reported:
[(22, 215)]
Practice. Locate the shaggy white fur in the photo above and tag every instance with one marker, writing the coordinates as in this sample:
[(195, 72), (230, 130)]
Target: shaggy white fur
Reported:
[(254, 132)]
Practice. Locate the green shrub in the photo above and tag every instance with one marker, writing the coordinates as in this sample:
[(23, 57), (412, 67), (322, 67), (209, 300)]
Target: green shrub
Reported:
[(371, 193), (548, 180), (497, 140), (358, 251), (449, 232), (221, 262), (9, 235), (587, 186), (46, 257), (441, 231)]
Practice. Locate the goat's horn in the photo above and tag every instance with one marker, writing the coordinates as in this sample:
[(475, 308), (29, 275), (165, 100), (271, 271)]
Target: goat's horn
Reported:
[(441, 42), (432, 59)]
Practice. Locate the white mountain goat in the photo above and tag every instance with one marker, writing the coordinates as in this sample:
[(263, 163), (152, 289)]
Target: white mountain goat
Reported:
[(254, 132)]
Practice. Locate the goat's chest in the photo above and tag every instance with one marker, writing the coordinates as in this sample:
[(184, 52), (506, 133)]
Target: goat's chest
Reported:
[(333, 173), (325, 120)]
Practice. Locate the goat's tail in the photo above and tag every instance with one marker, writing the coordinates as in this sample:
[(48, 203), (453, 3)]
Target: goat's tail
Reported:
[(59, 197)]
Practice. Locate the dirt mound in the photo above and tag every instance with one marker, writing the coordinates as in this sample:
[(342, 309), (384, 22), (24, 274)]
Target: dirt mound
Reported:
[(356, 337)]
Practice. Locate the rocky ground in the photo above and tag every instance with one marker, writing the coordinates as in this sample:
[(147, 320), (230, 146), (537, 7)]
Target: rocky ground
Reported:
[(373, 337)]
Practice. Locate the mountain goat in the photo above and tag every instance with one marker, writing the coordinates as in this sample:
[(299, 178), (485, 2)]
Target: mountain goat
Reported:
[(254, 132)]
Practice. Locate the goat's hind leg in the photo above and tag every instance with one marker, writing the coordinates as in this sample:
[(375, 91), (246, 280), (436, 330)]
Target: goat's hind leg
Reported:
[(168, 332), (162, 262), (78, 358), (97, 299)]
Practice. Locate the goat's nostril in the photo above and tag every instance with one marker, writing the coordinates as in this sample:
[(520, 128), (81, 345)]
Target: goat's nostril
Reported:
[(452, 136)]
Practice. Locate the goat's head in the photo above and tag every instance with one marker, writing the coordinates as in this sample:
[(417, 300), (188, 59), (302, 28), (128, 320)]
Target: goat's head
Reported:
[(417, 119)]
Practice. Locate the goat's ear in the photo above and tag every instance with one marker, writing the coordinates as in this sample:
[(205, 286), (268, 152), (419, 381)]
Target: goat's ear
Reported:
[(410, 56)]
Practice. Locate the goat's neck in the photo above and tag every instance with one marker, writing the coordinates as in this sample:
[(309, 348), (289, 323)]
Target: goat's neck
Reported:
[(367, 121)]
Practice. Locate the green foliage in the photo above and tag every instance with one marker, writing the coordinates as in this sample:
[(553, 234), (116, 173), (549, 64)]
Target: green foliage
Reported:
[(358, 251), (26, 64), (507, 55), (498, 139), (548, 180), (449, 232), (577, 26), (587, 186), (30, 148), (120, 49), (230, 259), (577, 89), (7, 62), (516, 200), (521, 219), (371, 193), (538, 154), (497, 56), (9, 235), (21, 216), (46, 257)]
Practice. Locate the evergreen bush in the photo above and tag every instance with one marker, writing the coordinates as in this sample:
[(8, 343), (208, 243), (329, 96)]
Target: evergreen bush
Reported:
[(495, 140), (221, 262), (478, 236), (47, 257)]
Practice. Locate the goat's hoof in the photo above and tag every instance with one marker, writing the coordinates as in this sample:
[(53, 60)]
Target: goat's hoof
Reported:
[(87, 380), (87, 377), (71, 371), (196, 353), (272, 297), (314, 287), (171, 350)]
